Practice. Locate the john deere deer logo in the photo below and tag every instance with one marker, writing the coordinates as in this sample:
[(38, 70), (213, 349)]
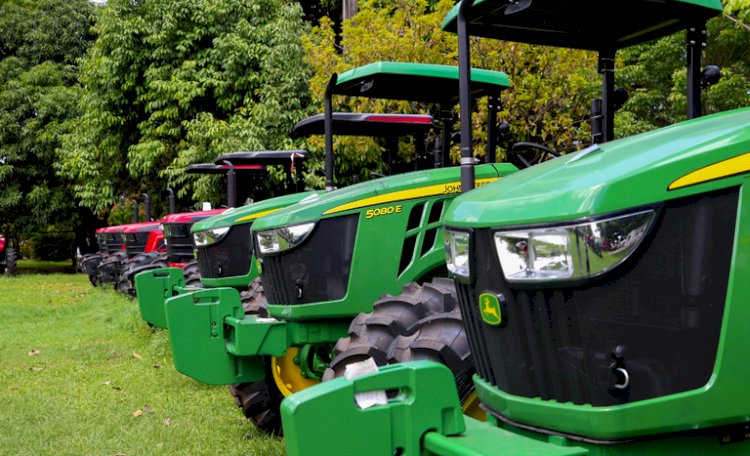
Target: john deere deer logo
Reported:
[(489, 308)]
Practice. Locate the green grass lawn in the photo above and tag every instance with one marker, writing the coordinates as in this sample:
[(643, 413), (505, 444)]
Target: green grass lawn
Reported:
[(77, 364)]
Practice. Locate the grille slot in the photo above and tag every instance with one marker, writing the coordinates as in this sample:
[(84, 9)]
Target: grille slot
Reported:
[(179, 242), (136, 243)]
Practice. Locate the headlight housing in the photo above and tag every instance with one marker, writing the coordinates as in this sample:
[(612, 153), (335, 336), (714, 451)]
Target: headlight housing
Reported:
[(280, 239), (208, 237), (457, 253), (571, 252)]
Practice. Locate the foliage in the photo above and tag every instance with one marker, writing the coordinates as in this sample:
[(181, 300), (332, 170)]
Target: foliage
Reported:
[(655, 76), (169, 84), (539, 107), (39, 44), (50, 246)]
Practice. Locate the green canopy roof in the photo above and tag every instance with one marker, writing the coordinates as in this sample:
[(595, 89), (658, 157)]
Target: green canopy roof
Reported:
[(416, 82), (584, 24)]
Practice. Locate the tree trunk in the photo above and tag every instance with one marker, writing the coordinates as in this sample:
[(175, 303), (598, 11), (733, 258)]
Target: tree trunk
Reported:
[(350, 8)]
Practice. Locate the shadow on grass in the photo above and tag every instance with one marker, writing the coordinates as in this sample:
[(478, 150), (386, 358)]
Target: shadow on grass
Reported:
[(44, 267)]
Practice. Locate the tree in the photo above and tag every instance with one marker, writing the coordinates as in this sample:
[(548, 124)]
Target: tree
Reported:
[(39, 44), (655, 75), (549, 102), (170, 83)]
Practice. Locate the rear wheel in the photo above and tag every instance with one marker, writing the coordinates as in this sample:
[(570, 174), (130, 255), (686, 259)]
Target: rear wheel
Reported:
[(254, 299), (372, 334), (192, 274), (11, 258), (442, 338)]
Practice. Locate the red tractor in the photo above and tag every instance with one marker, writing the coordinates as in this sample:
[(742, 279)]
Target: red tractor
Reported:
[(8, 256), (166, 243)]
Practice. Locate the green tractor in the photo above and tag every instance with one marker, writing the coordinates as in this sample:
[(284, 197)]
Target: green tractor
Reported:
[(223, 245), (346, 274), (602, 292), (155, 286)]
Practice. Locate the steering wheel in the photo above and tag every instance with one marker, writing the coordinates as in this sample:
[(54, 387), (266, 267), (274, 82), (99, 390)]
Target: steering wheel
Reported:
[(538, 158)]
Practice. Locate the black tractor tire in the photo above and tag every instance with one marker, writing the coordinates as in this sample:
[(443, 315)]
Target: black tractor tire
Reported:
[(139, 263), (372, 334), (11, 258), (254, 299), (89, 265), (192, 275), (440, 338), (110, 268), (260, 401)]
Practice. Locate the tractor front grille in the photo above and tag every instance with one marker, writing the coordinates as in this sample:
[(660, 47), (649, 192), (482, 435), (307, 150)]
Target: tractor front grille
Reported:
[(230, 257), (113, 242), (661, 311), (135, 243), (317, 270), (101, 241), (179, 242)]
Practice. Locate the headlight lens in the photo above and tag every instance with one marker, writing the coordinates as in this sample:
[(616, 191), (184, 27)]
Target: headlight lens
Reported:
[(457, 253), (280, 239), (571, 252), (208, 237)]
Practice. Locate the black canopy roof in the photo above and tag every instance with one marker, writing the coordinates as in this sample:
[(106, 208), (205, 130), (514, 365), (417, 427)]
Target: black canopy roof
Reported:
[(583, 24), (262, 157), (365, 124), (210, 168)]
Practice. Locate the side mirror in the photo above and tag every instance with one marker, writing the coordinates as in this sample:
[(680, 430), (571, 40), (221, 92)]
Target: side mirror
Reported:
[(621, 97), (710, 75)]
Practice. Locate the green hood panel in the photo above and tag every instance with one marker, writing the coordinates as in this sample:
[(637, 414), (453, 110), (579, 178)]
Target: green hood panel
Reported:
[(249, 212), (382, 191), (692, 157)]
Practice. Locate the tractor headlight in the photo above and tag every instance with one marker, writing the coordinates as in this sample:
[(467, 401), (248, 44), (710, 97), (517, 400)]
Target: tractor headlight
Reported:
[(208, 237), (457, 253), (280, 239), (571, 252)]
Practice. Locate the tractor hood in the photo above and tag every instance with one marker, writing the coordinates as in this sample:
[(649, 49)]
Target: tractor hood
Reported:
[(141, 227), (692, 157), (250, 212), (189, 217), (381, 191)]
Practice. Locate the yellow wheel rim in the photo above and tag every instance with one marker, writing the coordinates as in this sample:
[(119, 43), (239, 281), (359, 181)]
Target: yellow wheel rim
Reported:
[(286, 373), (471, 407)]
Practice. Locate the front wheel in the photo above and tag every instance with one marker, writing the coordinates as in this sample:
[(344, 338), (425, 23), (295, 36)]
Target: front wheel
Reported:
[(371, 334), (260, 402)]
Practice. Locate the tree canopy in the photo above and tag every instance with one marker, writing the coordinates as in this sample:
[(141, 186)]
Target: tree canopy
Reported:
[(548, 103), (101, 103), (655, 74), (40, 41), (169, 83)]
